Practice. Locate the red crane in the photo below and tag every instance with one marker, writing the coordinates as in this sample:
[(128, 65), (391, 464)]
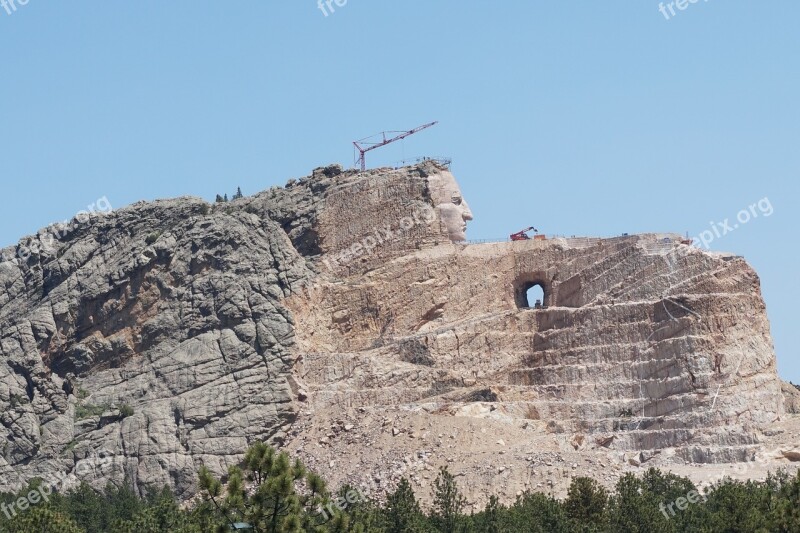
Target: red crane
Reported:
[(523, 235), (365, 145)]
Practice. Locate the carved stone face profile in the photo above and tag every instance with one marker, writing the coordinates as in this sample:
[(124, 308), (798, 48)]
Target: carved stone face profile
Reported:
[(450, 205)]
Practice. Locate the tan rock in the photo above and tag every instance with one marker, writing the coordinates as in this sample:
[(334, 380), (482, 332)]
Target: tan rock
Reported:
[(792, 455), (791, 397), (351, 296)]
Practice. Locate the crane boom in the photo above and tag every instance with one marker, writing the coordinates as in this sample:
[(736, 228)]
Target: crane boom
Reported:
[(365, 145), (522, 235)]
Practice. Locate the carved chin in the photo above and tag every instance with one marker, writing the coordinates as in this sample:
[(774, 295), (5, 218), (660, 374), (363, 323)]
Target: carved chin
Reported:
[(457, 235)]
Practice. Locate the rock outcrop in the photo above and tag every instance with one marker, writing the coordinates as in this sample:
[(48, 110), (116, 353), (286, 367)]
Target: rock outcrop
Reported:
[(317, 316), (155, 336), (791, 395)]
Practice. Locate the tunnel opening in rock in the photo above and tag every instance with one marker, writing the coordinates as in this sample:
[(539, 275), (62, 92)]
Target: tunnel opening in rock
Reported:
[(531, 295), (534, 296), (532, 288)]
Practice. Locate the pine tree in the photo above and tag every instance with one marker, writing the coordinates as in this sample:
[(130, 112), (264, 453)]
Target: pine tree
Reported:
[(786, 509), (275, 505), (42, 520), (586, 502), (402, 510), (491, 516), (448, 503)]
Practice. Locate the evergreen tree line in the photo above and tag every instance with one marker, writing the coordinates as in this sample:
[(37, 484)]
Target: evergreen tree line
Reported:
[(224, 198), (270, 493)]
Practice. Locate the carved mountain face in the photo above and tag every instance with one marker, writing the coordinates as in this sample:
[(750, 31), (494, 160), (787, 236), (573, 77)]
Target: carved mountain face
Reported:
[(172, 334), (451, 207)]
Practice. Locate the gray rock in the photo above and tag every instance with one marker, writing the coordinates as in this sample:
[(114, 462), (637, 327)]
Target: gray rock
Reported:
[(156, 333), (145, 343)]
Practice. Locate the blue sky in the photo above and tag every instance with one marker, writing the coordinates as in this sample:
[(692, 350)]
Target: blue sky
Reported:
[(583, 117)]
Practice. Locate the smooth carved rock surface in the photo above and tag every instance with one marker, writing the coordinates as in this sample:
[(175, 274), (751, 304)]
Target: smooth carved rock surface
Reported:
[(679, 358), (171, 334)]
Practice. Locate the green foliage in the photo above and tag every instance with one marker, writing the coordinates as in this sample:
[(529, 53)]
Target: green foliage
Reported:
[(89, 410), (125, 410), (537, 513), (641, 504), (586, 504), (739, 506), (448, 503), (88, 508), (285, 496), (362, 514), (277, 495), (220, 199), (402, 510), (41, 520), (161, 513), (785, 502), (490, 521), (17, 399), (152, 238)]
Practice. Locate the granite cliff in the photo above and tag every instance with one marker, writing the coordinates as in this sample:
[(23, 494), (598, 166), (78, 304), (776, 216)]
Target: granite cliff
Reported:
[(345, 318)]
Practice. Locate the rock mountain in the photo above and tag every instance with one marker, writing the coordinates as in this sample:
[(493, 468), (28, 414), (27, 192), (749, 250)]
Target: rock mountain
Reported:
[(344, 318)]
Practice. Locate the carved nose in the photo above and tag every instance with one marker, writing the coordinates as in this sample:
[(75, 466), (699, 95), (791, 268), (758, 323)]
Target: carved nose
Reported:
[(466, 214)]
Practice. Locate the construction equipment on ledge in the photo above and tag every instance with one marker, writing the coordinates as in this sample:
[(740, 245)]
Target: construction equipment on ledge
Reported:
[(523, 235), (365, 145), (441, 161)]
